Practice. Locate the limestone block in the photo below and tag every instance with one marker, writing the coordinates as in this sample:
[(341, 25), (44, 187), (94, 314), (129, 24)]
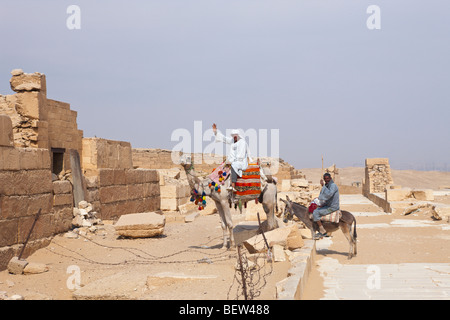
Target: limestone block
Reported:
[(278, 253), (294, 239), (35, 268), (187, 208), (34, 159), (442, 212), (26, 182), (174, 191), (370, 162), (17, 72), (119, 176), (31, 105), (425, 194), (136, 191), (16, 265), (113, 193), (6, 132), (62, 186), (106, 177), (245, 230), (299, 183), (397, 194), (140, 225), (92, 182), (8, 236), (21, 82), (285, 185), (151, 189), (169, 204), (62, 199), (278, 236), (10, 158), (209, 209)]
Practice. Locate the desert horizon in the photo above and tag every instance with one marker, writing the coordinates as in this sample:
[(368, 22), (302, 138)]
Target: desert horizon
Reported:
[(406, 178)]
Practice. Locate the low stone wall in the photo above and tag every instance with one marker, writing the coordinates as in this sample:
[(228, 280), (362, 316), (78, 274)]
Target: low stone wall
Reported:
[(115, 192), (25, 187), (166, 159), (105, 154)]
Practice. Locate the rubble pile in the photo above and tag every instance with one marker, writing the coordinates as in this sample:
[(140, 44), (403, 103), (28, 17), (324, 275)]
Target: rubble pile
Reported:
[(85, 217)]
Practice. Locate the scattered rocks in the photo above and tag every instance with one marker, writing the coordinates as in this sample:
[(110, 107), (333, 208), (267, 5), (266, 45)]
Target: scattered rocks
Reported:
[(16, 265), (35, 268), (288, 237), (85, 217)]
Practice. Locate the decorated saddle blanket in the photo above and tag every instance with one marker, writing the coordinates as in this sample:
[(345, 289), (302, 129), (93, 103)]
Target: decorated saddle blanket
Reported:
[(334, 217), (249, 185), (219, 175)]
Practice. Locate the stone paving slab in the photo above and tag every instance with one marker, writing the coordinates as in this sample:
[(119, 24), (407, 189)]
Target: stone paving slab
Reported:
[(405, 281)]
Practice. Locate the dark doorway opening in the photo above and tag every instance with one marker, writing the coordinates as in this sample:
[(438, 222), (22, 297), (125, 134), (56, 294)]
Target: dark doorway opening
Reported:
[(57, 160)]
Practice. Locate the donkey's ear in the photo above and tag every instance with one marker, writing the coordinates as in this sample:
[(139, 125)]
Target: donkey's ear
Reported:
[(283, 200), (287, 198)]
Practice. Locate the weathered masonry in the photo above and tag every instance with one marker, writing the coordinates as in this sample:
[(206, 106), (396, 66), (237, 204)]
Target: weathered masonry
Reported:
[(45, 163)]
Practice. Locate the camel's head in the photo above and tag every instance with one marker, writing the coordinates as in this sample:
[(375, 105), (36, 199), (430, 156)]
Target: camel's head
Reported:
[(185, 161), (288, 213)]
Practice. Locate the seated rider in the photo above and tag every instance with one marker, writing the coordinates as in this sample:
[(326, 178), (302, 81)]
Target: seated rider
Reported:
[(329, 199), (239, 152)]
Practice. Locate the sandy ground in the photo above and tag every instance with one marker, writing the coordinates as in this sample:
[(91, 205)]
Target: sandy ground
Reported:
[(188, 263), (185, 263)]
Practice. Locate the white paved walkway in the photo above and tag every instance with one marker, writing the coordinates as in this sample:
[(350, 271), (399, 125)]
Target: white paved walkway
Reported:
[(405, 281)]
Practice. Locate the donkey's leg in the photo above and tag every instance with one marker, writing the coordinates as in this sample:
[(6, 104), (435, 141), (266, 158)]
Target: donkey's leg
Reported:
[(346, 230), (353, 239)]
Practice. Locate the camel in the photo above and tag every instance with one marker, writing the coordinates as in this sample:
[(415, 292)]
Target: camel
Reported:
[(268, 199), (345, 223)]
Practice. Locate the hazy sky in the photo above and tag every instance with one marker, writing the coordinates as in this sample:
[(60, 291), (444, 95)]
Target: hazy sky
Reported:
[(139, 70)]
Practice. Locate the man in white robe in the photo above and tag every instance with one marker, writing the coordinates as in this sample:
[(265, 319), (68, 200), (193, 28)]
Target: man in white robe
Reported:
[(239, 153)]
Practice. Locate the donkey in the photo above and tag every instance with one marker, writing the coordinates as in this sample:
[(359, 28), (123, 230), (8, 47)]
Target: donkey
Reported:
[(345, 223)]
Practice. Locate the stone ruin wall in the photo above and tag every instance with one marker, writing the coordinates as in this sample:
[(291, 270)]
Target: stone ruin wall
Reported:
[(113, 186), (33, 129), (25, 187), (39, 122), (377, 175)]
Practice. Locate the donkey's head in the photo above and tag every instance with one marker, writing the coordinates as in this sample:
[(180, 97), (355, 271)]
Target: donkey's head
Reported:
[(288, 213)]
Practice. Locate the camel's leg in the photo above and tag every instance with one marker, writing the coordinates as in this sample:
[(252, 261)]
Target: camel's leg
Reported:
[(346, 230), (226, 223), (222, 224), (229, 223)]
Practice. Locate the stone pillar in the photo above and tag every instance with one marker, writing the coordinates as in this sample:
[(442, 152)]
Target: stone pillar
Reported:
[(377, 175)]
